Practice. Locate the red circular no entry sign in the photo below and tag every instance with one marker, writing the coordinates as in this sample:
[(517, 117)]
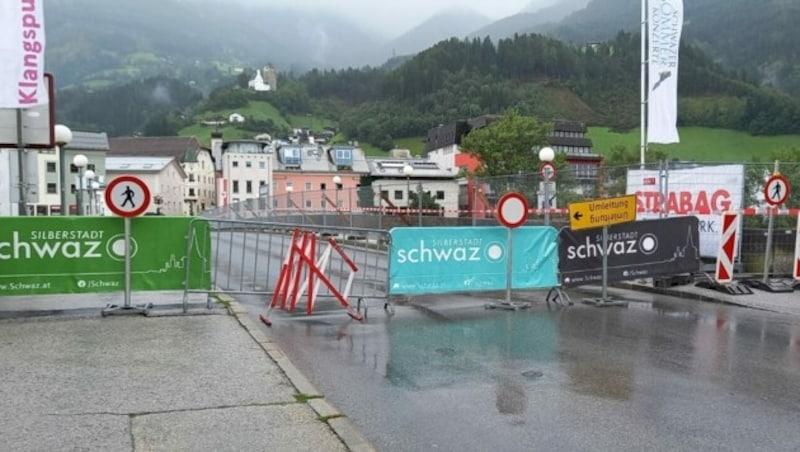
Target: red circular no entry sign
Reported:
[(512, 210)]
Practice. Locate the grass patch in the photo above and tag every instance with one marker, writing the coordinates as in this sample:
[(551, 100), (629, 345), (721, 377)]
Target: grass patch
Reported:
[(203, 133), (415, 144), (700, 144), (325, 419), (316, 123), (303, 398), (255, 110)]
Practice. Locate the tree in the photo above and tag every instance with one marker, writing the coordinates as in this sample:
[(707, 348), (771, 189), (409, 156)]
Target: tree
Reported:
[(508, 145)]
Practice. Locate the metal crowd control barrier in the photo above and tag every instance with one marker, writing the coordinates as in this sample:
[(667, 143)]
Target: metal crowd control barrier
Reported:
[(247, 256)]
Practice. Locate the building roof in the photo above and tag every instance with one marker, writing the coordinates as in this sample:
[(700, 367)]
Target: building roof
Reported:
[(144, 164), (563, 125), (89, 141), (573, 142), (176, 147), (393, 169)]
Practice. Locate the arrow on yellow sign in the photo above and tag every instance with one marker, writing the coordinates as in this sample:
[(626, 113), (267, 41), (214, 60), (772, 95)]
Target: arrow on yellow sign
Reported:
[(602, 212)]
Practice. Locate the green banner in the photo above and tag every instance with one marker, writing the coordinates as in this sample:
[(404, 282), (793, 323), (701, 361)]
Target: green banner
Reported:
[(52, 255)]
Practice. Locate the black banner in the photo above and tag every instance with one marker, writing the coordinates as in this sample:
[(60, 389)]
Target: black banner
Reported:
[(643, 249)]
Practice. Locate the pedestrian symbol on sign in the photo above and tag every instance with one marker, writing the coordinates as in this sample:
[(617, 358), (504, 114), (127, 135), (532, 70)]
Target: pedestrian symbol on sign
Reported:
[(128, 193), (776, 190)]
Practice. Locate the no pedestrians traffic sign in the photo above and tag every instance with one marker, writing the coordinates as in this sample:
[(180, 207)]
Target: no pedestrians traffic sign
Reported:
[(127, 196)]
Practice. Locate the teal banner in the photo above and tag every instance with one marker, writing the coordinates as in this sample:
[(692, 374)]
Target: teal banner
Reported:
[(52, 255), (440, 260)]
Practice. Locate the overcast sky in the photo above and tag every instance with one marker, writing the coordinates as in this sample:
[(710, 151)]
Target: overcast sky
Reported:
[(397, 16)]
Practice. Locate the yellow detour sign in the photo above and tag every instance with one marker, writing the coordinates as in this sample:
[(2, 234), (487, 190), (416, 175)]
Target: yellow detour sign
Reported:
[(602, 212)]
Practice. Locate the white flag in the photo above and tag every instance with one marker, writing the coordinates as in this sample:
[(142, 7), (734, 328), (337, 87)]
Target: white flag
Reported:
[(664, 24), (22, 83)]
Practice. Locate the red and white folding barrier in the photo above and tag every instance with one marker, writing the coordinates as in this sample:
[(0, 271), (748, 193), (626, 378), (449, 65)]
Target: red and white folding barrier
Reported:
[(797, 252), (301, 263), (727, 247)]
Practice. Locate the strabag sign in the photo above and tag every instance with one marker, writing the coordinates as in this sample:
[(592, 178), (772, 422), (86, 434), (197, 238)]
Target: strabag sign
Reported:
[(704, 192), (635, 250)]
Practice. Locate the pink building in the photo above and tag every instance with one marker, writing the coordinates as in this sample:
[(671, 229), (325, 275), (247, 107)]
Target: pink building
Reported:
[(316, 178)]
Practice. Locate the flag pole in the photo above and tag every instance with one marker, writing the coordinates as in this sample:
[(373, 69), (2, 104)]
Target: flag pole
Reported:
[(643, 87)]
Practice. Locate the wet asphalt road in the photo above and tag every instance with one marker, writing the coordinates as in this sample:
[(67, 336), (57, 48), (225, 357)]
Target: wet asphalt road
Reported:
[(444, 373)]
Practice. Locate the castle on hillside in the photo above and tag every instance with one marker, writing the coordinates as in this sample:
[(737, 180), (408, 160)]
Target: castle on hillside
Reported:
[(266, 79)]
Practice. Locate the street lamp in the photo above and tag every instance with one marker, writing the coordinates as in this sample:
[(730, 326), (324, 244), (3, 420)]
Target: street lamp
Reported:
[(546, 155), (80, 161), (408, 170), (62, 137), (337, 182), (90, 175)]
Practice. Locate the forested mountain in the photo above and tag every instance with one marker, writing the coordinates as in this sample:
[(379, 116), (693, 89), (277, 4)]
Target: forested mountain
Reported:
[(760, 37), (439, 27), (458, 79), (89, 41), (529, 18), (546, 78)]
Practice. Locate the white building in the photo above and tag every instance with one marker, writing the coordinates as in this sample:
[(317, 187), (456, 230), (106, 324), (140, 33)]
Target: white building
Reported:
[(258, 84), (393, 186), (163, 176), (246, 171), (199, 191)]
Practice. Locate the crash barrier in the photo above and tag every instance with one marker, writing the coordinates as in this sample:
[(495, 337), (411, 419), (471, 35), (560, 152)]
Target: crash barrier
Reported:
[(301, 264), (60, 255), (247, 258)]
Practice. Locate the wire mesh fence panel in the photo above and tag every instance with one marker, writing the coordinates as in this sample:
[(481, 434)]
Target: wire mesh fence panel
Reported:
[(247, 256)]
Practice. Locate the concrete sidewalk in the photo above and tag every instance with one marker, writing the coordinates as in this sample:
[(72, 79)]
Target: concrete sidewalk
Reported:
[(209, 382)]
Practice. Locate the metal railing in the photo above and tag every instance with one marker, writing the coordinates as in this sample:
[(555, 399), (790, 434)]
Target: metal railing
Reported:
[(247, 256)]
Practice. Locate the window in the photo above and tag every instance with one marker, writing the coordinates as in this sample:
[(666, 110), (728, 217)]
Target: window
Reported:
[(191, 177), (439, 194), (236, 186), (398, 194), (248, 186), (308, 203), (308, 186), (384, 194), (191, 192), (289, 185), (235, 164), (248, 164), (262, 164), (51, 167), (51, 188), (322, 186)]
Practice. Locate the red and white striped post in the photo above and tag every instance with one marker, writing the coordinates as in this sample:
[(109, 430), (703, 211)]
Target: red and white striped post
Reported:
[(797, 252), (727, 247)]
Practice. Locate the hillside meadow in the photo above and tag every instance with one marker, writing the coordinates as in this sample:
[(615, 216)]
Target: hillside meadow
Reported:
[(697, 143), (700, 144)]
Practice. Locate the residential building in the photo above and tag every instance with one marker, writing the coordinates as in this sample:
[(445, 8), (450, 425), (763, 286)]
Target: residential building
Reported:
[(443, 145), (92, 145), (199, 190), (392, 187), (316, 177), (164, 177), (246, 172)]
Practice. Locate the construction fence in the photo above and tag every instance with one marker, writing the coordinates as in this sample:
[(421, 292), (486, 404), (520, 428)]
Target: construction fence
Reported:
[(663, 189)]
